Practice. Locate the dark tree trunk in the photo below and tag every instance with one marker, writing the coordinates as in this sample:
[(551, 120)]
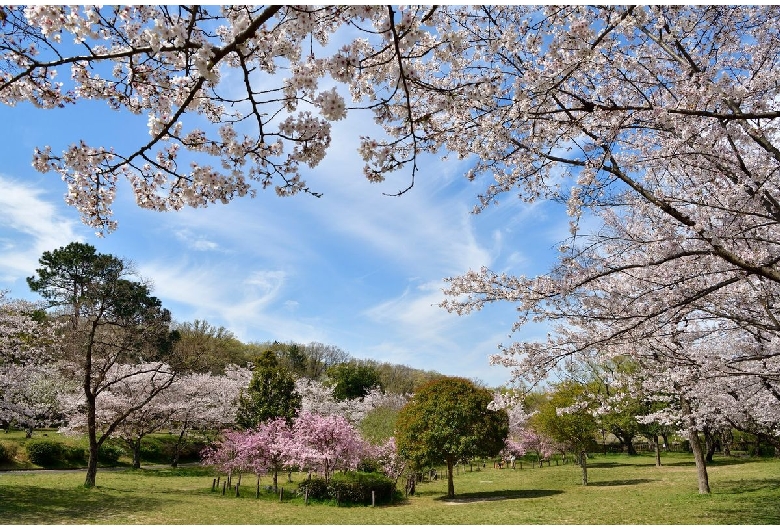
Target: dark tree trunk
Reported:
[(584, 466), (89, 481), (710, 444), (177, 447), (276, 481), (626, 440), (450, 483), (698, 453), (657, 451), (135, 445), (726, 438), (91, 398), (630, 446), (701, 464)]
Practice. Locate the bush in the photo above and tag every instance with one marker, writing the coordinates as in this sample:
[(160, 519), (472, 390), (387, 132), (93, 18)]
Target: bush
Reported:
[(356, 487), (352, 487), (156, 450), (109, 454), (44, 452), (75, 455), (316, 486), (160, 449)]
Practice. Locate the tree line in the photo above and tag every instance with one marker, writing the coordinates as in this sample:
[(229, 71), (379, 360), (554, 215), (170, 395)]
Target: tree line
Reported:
[(101, 346)]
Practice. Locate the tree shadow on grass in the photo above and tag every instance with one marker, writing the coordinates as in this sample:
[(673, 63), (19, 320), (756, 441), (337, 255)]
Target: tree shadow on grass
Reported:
[(609, 465), (759, 507), (500, 495), (46, 506), (626, 482)]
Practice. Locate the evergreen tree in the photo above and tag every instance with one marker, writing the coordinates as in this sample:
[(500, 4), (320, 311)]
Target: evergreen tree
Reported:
[(271, 394)]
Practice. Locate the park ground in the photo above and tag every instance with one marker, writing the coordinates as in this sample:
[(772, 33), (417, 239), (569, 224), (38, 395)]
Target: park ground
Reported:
[(622, 490)]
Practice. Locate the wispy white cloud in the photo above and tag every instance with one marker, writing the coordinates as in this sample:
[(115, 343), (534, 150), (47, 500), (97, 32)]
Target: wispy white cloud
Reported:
[(195, 241), (29, 225)]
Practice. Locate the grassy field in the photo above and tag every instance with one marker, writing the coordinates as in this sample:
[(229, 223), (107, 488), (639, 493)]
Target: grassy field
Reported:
[(623, 490)]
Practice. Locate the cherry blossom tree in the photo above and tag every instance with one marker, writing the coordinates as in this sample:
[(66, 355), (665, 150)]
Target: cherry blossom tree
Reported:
[(32, 395), (325, 444), (386, 454), (318, 398), (523, 438), (270, 447), (202, 402), (210, 82), (115, 331), (228, 454), (29, 390), (117, 413)]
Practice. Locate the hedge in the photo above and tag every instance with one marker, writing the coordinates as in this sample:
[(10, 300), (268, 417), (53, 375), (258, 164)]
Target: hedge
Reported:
[(352, 487), (44, 452)]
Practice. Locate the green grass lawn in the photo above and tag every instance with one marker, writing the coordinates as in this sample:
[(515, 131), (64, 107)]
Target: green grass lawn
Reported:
[(622, 490)]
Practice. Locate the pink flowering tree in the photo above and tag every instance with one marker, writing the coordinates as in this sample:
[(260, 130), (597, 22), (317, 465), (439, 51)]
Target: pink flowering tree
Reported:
[(512, 450), (229, 454), (386, 454), (269, 447), (325, 444)]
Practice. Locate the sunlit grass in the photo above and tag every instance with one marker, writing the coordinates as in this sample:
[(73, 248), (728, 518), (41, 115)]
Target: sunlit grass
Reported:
[(622, 490)]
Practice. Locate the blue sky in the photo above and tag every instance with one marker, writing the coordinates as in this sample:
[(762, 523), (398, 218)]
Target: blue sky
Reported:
[(355, 268)]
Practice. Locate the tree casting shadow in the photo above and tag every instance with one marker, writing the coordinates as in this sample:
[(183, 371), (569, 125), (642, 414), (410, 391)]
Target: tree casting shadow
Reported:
[(500, 495), (45, 506), (627, 482)]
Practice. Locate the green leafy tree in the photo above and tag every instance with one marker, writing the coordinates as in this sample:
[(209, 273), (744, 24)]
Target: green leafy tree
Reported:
[(271, 394), (112, 320), (447, 420), (378, 425), (566, 417), (353, 380), (203, 348)]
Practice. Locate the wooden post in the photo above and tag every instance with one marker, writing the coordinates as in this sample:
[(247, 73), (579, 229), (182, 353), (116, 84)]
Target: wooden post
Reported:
[(306, 497), (281, 494), (214, 485), (224, 484), (237, 489), (373, 499), (218, 477)]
